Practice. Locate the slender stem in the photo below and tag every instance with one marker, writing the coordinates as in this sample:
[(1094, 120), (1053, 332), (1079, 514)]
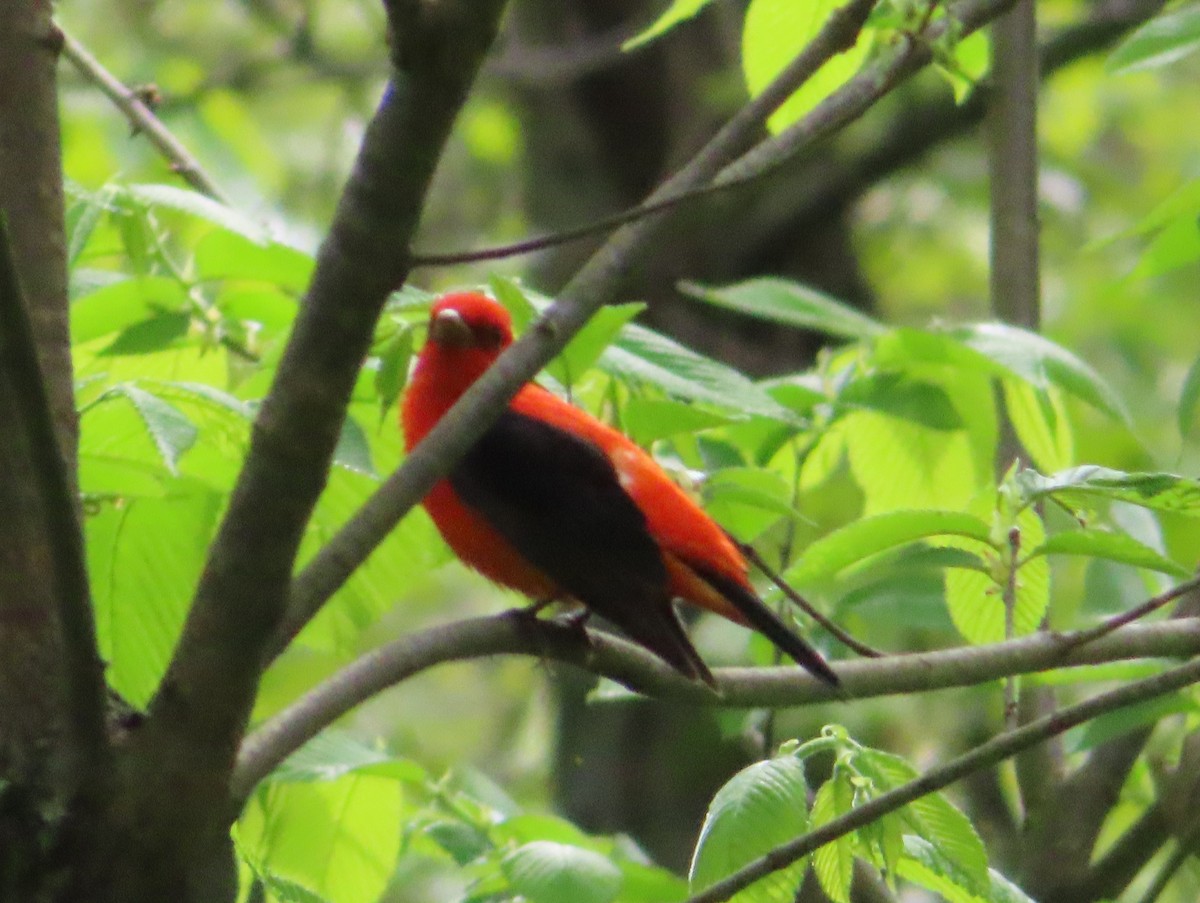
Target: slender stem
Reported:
[(1092, 634), (142, 118), (983, 756)]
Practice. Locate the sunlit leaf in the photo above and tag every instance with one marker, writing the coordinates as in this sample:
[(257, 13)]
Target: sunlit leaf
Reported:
[(679, 11), (1165, 39), (789, 304), (760, 807), (546, 872), (1158, 491), (1119, 547)]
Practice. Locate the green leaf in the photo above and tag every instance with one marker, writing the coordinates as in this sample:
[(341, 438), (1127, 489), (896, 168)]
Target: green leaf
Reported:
[(546, 872), (1039, 362), (679, 11), (586, 346), (1130, 718), (646, 420), (334, 753), (200, 206), (120, 305), (173, 433), (872, 535), (338, 839), (392, 370), (762, 806), (789, 304), (976, 600), (904, 398), (642, 356), (1111, 546), (1040, 420), (353, 450), (1189, 400), (285, 891), (747, 500), (774, 32), (1176, 245), (161, 331), (833, 863), (1165, 39), (932, 818), (1157, 491), (144, 558), (926, 864), (227, 255)]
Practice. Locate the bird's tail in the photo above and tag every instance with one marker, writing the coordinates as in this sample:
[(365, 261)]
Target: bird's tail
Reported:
[(769, 625)]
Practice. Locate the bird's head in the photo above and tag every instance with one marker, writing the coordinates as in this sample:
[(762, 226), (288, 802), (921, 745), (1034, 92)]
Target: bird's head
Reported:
[(469, 320)]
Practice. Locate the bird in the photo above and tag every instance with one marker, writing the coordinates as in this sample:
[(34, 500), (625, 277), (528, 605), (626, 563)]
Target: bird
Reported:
[(558, 505)]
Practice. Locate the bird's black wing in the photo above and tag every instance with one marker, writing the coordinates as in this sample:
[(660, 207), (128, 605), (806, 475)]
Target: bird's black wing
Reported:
[(557, 499)]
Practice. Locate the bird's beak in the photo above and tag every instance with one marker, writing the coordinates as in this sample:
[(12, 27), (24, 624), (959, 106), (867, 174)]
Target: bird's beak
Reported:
[(450, 330)]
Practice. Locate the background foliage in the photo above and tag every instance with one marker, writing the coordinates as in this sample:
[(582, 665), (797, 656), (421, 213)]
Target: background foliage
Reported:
[(867, 474)]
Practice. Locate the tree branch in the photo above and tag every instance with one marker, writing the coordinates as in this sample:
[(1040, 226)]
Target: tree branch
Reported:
[(142, 118), (983, 756), (599, 280), (512, 633), (201, 707), (44, 551)]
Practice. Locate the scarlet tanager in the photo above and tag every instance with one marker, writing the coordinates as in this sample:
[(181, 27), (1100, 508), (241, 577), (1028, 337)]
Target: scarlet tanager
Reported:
[(557, 505)]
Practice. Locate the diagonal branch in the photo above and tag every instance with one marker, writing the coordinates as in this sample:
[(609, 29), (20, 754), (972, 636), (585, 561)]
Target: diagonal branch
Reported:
[(983, 756), (202, 705), (142, 119), (632, 666), (599, 280)]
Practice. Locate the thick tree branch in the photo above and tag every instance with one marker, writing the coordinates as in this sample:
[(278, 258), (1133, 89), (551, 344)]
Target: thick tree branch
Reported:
[(45, 609), (142, 119), (31, 196), (200, 710), (983, 756), (632, 666), (597, 282)]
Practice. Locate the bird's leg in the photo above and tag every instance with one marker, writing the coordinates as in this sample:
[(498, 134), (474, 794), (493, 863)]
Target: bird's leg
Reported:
[(533, 609)]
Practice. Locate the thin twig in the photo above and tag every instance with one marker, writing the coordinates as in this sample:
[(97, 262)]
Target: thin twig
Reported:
[(983, 756), (807, 607), (1010, 627), (142, 118), (1080, 637), (635, 668)]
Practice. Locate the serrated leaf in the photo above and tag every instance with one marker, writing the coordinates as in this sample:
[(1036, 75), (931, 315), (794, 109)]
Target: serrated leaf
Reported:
[(200, 206), (120, 305), (334, 753), (1165, 39), (1040, 420), (1119, 547), (353, 450), (773, 33), (833, 863), (1040, 362), (872, 535), (392, 373), (339, 839), (926, 865), (762, 806), (158, 332), (789, 304), (976, 601), (932, 818), (547, 872), (173, 433), (646, 420), (1157, 491), (640, 355), (285, 891)]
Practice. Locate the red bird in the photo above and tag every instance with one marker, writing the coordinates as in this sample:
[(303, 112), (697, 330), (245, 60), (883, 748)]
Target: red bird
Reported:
[(556, 504)]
